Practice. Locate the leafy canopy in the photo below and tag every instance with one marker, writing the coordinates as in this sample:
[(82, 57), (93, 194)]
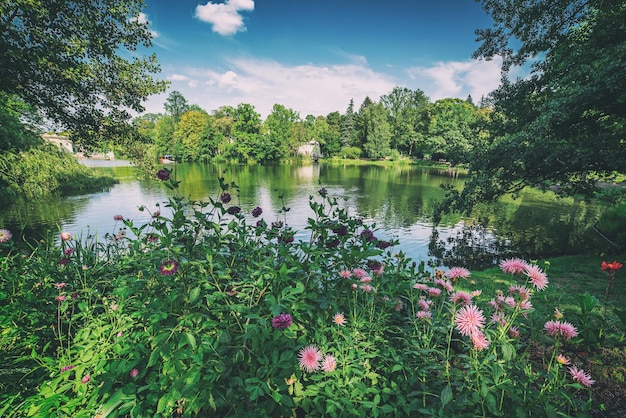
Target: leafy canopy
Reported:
[(77, 62), (563, 127)]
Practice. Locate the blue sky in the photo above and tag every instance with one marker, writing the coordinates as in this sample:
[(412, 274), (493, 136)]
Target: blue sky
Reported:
[(313, 56)]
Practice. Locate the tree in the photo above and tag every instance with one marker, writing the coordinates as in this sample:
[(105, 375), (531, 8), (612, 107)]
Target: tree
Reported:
[(408, 118), (194, 133), (348, 132), (452, 130), (378, 133), (563, 126), (175, 105), (280, 126), (76, 63)]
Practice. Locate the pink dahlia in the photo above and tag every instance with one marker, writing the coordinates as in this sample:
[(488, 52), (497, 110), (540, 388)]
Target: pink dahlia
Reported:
[(537, 277), (309, 358), (329, 363), (581, 377), (461, 298), (458, 273), (479, 341), (339, 319), (469, 319), (513, 266)]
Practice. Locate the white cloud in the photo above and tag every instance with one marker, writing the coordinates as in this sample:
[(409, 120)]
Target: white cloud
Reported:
[(321, 89), (143, 19), (225, 17), (457, 78)]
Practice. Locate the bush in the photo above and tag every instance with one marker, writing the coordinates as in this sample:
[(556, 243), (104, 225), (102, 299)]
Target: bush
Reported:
[(351, 152), (207, 311)]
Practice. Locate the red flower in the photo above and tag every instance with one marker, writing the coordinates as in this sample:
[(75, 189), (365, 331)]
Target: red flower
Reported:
[(614, 266)]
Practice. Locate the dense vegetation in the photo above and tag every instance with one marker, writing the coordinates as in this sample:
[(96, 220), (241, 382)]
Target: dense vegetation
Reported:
[(209, 311)]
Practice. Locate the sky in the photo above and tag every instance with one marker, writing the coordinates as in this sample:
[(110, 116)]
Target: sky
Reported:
[(314, 56)]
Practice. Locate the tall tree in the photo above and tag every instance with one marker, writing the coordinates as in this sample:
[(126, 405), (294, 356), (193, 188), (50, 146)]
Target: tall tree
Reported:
[(408, 118), (76, 63), (279, 126), (175, 105), (348, 132), (378, 132), (563, 126)]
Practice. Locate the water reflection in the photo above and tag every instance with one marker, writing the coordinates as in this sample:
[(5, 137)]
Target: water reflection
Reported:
[(399, 199)]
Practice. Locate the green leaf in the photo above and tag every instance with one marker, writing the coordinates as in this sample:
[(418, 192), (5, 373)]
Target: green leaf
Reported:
[(446, 396)]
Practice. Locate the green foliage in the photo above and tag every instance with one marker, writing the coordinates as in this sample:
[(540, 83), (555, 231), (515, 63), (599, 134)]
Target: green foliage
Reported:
[(178, 317), (350, 152), (612, 224), (43, 170)]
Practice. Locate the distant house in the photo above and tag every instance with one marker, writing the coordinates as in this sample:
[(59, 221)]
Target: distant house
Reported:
[(62, 142), (310, 149)]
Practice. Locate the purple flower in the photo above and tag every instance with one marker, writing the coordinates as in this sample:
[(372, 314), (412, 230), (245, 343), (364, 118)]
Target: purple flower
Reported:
[(233, 210), (225, 197), (64, 261), (256, 212), (281, 321), (322, 192), (169, 267), (277, 224), (163, 174), (86, 378)]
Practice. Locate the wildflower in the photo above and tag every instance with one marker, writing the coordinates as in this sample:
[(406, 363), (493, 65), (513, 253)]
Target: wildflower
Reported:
[(163, 174), (469, 319), (329, 363), (378, 271), (119, 334), (424, 315), (339, 319), (556, 328), (169, 267), (366, 279), (225, 197), (537, 277), (561, 359), (59, 298), (66, 368), (479, 341), (86, 378), (476, 293), (498, 318), (513, 266), (461, 298), (114, 307), (424, 305), (434, 292), (233, 210), (358, 272), (354, 286), (514, 332), (281, 321), (256, 212), (60, 285), (118, 218), (134, 373), (367, 235), (607, 266), (5, 235), (420, 286), (322, 192), (581, 377), (309, 358), (69, 251), (345, 274), (66, 236), (366, 288), (458, 273)]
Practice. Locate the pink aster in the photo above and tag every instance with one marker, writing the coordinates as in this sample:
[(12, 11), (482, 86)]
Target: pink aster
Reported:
[(469, 319), (537, 277), (309, 358), (568, 331), (420, 286), (434, 292), (424, 315), (366, 279), (552, 328), (345, 274), (461, 298), (581, 377), (424, 305), (359, 272), (514, 332), (513, 266), (339, 319), (479, 341), (86, 378), (5, 235), (329, 363), (458, 273)]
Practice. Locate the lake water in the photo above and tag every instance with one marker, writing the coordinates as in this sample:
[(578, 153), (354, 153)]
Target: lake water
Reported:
[(399, 199)]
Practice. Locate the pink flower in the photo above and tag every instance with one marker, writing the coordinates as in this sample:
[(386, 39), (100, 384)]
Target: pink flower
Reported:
[(469, 319), (420, 286), (366, 279), (329, 363), (86, 378), (568, 331), (310, 357), (513, 266), (281, 321), (120, 333), (5, 235), (514, 332), (134, 373), (458, 273), (434, 292), (479, 341), (66, 368), (114, 307), (358, 272), (69, 251), (60, 285), (424, 315), (424, 305), (561, 359), (66, 236), (59, 298), (581, 377), (118, 218), (461, 298), (556, 328), (345, 274), (537, 277), (339, 319), (398, 306)]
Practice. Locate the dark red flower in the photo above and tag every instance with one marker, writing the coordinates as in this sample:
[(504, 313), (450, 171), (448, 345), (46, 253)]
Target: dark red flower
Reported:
[(233, 210), (256, 212), (163, 174), (281, 321), (225, 197), (614, 266)]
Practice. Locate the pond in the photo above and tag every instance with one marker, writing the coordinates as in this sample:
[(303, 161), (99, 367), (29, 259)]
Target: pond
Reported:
[(398, 199)]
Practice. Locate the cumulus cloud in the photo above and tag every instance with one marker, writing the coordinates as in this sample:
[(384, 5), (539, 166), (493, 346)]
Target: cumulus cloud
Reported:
[(177, 77), (225, 17), (457, 78)]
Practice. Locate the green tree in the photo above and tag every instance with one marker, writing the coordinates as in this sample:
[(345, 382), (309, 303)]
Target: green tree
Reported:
[(164, 135), (452, 130), (194, 132), (175, 105), (246, 128), (563, 126), (280, 126), (348, 132), (378, 131), (408, 117), (330, 140), (54, 53)]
